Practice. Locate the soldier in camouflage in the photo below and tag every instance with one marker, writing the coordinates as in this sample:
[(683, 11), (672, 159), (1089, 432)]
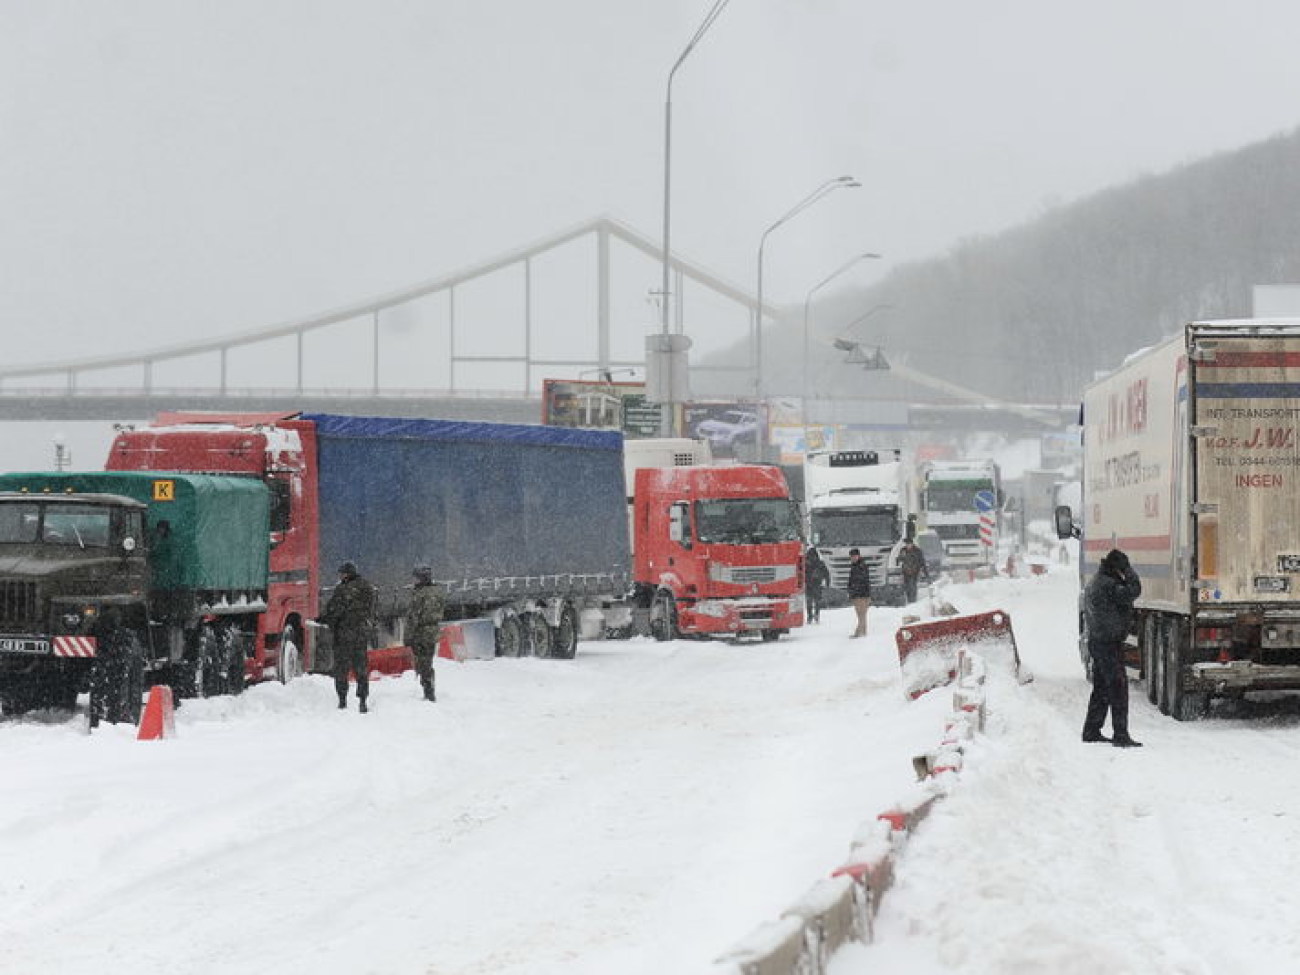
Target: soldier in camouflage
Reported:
[(422, 626), (350, 614)]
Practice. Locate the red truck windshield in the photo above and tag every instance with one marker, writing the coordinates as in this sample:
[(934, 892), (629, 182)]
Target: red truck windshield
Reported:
[(747, 521)]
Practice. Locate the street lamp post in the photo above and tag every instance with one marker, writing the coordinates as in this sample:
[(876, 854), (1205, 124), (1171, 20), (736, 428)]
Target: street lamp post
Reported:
[(839, 182), (807, 302), (667, 412)]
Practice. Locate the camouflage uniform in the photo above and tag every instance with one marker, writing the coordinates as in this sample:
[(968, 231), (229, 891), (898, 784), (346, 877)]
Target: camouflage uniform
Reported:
[(422, 630), (350, 614)]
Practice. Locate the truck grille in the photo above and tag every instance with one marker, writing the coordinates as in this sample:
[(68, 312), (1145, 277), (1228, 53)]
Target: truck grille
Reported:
[(17, 605), (949, 532), (748, 574)]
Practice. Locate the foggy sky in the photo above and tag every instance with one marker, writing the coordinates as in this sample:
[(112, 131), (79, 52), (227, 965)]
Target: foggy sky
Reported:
[(172, 169)]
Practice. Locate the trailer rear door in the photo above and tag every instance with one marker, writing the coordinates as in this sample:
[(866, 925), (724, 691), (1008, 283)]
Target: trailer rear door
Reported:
[(1246, 409)]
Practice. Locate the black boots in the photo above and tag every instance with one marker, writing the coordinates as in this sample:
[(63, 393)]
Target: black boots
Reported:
[(428, 691), (1126, 742), (1095, 736), (343, 704), (361, 706)]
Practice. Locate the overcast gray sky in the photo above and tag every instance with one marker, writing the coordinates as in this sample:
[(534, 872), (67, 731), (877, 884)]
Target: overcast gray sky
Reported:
[(172, 169)]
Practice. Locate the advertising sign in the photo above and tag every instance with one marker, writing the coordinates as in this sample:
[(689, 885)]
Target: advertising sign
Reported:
[(598, 405), (732, 429)]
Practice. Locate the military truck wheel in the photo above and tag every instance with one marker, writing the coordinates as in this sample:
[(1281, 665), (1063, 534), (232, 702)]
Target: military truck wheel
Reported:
[(232, 661), (62, 690), (510, 637), (564, 638), (663, 617), (133, 702), (16, 697), (288, 662), (537, 634)]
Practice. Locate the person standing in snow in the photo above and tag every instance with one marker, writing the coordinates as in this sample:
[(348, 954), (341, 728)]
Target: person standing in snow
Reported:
[(816, 577), (350, 615), (422, 626), (912, 561), (1108, 614), (859, 590)]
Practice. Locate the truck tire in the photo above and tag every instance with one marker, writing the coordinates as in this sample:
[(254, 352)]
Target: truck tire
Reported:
[(62, 689), (510, 637), (663, 617), (1172, 696), (232, 659), (771, 636), (564, 638), (1157, 689), (288, 660), (1150, 637), (537, 635)]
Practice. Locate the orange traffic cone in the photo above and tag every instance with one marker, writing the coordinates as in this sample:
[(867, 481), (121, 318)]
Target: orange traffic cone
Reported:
[(159, 717)]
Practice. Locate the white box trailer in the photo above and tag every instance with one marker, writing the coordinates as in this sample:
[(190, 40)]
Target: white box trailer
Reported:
[(1191, 465)]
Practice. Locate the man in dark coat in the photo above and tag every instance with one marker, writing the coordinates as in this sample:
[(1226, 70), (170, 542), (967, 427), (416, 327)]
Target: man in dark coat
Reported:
[(422, 626), (1108, 613), (859, 587), (912, 561), (816, 577), (350, 614)]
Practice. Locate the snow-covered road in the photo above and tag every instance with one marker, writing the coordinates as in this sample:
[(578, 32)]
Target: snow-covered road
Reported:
[(642, 808)]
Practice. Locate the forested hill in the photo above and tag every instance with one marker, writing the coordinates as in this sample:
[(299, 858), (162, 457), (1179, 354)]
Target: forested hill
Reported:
[(1032, 313)]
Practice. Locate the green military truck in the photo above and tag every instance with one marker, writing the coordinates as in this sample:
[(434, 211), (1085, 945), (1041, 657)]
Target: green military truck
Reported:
[(113, 582)]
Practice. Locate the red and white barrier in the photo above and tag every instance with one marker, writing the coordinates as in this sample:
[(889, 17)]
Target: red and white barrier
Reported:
[(843, 907), (159, 717)]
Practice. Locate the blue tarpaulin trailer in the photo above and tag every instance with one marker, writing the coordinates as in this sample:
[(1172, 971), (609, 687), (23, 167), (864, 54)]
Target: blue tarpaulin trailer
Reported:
[(500, 512)]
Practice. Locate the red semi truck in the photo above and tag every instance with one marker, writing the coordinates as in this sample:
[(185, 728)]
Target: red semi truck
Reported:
[(524, 526), (717, 551)]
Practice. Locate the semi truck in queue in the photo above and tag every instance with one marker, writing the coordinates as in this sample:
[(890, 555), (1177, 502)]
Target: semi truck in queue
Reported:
[(1191, 465)]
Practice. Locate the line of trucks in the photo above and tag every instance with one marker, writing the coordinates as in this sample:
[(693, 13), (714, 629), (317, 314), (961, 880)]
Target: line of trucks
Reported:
[(209, 543), (869, 500), (1191, 465)]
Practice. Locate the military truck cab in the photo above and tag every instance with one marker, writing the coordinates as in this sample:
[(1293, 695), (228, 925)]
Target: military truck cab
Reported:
[(65, 561)]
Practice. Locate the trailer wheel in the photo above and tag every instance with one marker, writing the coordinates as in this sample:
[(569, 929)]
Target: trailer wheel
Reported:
[(537, 635), (288, 662), (1173, 691), (663, 617), (564, 639), (510, 637), (1158, 651), (1150, 641)]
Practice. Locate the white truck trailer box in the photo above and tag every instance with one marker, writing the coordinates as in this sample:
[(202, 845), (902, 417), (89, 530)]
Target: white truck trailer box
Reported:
[(1192, 467)]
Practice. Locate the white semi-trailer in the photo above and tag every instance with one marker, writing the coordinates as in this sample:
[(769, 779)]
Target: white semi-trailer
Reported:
[(1192, 466)]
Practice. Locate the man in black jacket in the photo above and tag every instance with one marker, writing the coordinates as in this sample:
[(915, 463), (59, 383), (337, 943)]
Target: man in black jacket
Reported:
[(1108, 613), (859, 587)]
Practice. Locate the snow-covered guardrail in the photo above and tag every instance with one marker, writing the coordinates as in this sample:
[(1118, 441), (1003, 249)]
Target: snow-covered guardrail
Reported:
[(842, 907)]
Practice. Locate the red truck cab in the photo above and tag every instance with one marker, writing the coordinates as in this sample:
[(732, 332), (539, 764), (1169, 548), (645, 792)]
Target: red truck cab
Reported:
[(717, 551), (276, 449)]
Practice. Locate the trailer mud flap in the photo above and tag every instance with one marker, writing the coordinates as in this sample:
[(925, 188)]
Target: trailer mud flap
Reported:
[(928, 652)]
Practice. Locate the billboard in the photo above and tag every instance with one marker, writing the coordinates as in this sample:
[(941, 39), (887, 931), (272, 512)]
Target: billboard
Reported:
[(596, 405), (732, 429)]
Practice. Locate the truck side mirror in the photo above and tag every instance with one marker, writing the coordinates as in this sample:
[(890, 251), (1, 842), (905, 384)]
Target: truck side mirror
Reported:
[(1065, 526)]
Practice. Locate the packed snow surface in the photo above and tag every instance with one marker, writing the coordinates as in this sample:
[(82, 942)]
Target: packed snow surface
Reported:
[(641, 809)]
